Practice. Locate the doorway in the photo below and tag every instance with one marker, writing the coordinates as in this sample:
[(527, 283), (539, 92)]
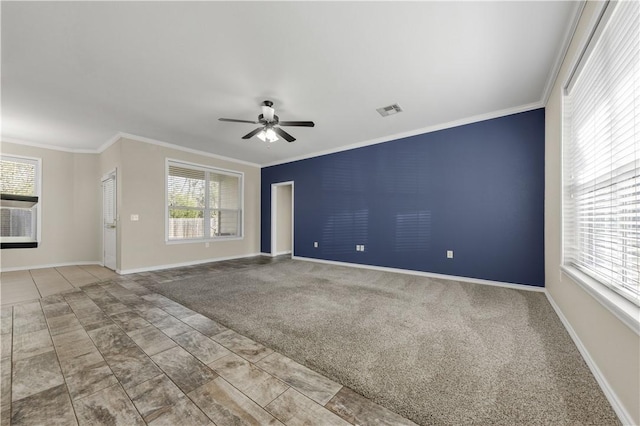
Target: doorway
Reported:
[(282, 202), (109, 221)]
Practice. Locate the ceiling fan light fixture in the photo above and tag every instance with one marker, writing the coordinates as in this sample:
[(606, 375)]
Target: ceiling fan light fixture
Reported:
[(268, 135), (270, 125), (268, 113)]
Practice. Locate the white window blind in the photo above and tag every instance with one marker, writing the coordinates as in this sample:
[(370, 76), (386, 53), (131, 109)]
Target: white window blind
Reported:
[(19, 186), (203, 203), (601, 155), (108, 201)]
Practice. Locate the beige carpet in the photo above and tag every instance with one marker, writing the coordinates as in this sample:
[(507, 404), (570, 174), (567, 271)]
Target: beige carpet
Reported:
[(434, 351)]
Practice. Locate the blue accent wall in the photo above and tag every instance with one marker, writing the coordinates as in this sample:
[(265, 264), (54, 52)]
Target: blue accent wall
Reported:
[(476, 189)]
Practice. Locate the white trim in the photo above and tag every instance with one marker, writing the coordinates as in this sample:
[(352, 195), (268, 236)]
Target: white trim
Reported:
[(181, 264), (616, 404), (207, 169), (47, 146), (562, 53), (280, 253), (111, 174), (22, 157), (122, 135), (52, 265), (274, 212), (423, 130), (583, 44), (38, 164), (623, 309), (179, 148), (426, 274), (203, 240), (113, 139), (456, 123)]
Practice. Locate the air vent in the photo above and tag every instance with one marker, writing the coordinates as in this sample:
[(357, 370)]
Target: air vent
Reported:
[(389, 110)]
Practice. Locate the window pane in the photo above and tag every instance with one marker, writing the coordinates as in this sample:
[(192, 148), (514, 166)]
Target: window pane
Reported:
[(18, 177), (16, 222), (224, 191), (224, 223), (186, 223), (601, 154), (208, 193), (186, 187)]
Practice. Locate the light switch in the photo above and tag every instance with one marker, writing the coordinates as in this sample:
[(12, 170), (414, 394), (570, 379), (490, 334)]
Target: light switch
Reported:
[(135, 218)]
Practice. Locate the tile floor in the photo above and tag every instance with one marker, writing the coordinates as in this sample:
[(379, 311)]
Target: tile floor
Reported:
[(22, 286), (98, 348)]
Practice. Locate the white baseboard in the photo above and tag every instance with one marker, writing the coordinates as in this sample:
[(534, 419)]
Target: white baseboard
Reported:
[(177, 265), (616, 404), (280, 253), (52, 265), (426, 274)]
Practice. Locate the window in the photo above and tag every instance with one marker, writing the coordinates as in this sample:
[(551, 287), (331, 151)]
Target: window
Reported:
[(20, 190), (601, 154), (203, 203)]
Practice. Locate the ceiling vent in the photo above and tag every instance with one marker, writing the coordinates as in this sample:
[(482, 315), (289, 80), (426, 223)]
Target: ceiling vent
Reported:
[(389, 110)]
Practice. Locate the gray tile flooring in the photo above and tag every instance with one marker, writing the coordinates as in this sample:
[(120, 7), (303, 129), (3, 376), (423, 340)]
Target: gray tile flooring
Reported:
[(98, 348)]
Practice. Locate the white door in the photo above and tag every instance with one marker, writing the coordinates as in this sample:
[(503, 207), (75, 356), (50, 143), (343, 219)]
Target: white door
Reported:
[(109, 220)]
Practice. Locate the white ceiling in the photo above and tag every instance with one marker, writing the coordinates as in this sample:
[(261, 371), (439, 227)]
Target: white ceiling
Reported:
[(76, 73)]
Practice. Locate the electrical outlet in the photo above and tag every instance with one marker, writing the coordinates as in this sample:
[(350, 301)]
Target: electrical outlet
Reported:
[(357, 247), (449, 254), (315, 244), (362, 247), (135, 217)]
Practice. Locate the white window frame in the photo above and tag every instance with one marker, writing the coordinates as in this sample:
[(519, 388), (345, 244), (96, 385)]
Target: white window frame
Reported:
[(38, 181), (624, 309), (207, 210)]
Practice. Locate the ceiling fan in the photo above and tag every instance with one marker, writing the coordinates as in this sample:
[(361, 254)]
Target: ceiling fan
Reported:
[(269, 131)]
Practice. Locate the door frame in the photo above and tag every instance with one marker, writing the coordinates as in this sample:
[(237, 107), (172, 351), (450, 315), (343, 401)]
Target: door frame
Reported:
[(274, 214), (114, 173)]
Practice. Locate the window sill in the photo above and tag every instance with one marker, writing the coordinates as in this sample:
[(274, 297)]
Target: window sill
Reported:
[(18, 245), (212, 240), (625, 310)]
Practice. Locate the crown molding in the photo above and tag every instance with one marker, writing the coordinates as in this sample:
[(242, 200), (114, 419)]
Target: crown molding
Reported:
[(562, 53), (121, 135), (423, 130), (47, 146)]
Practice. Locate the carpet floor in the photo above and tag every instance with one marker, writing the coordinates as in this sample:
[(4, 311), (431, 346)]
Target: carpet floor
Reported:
[(435, 351)]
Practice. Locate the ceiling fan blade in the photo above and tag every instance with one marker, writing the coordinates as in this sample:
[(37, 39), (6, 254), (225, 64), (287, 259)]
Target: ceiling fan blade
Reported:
[(252, 133), (297, 123), (284, 135), (233, 120)]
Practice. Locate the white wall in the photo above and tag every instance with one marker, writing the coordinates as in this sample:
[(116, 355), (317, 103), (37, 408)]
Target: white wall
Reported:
[(613, 346), (69, 209), (142, 182)]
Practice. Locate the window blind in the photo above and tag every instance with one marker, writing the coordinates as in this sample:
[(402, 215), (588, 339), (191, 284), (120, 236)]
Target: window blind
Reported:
[(18, 176), (203, 203), (108, 197), (18, 216), (601, 155)]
